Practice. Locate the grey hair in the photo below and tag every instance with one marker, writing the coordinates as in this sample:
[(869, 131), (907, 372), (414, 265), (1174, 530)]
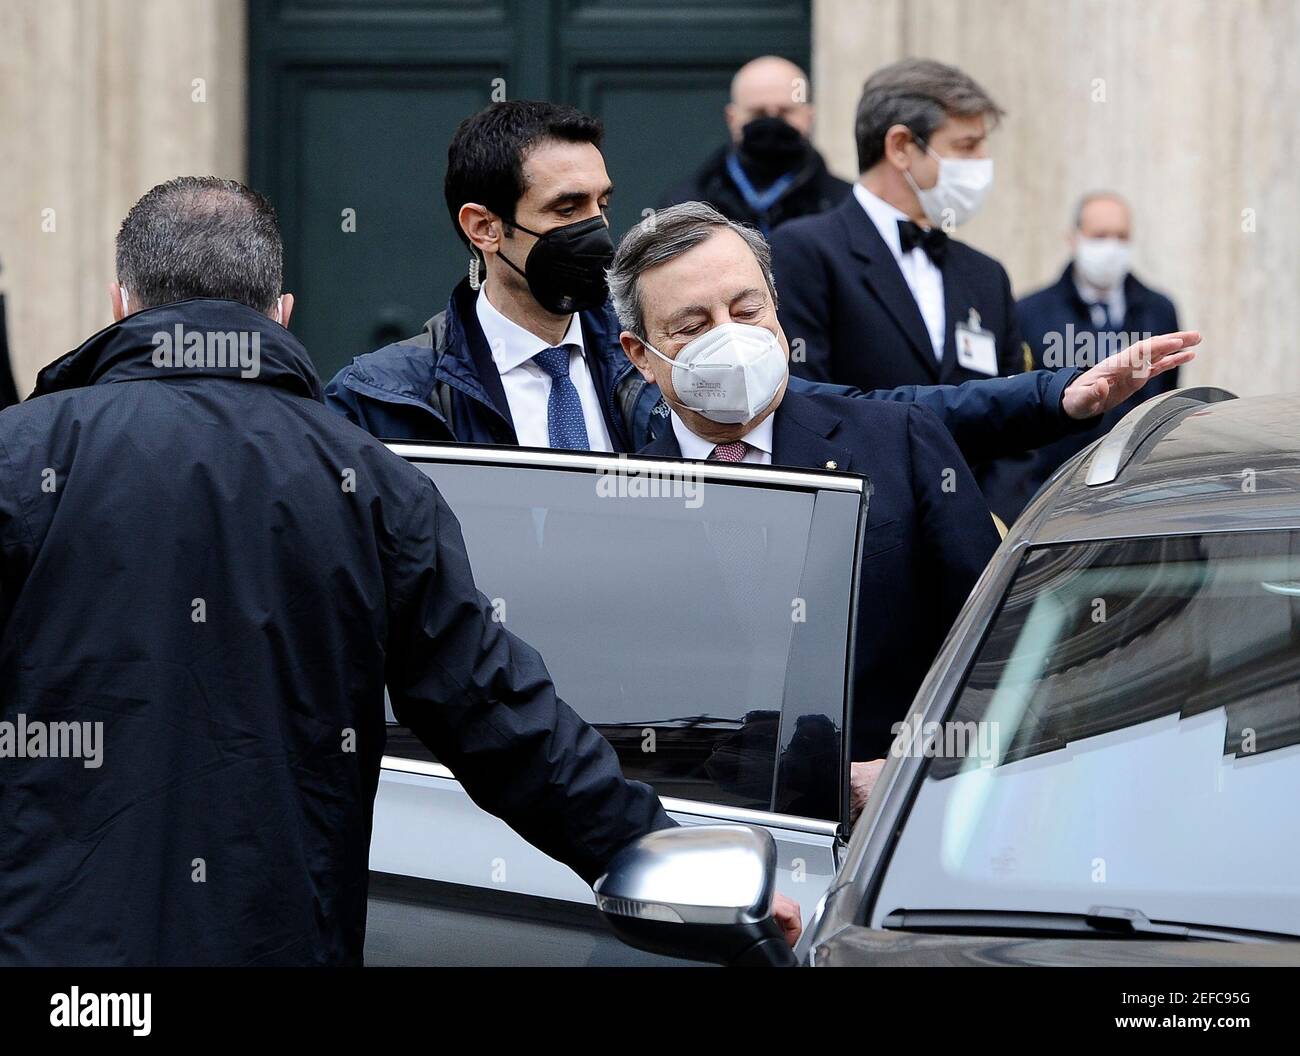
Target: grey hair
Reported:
[(1099, 196), (919, 93), (663, 236), (201, 236)]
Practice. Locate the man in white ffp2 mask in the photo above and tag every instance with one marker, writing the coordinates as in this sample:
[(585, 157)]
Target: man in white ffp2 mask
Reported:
[(695, 297)]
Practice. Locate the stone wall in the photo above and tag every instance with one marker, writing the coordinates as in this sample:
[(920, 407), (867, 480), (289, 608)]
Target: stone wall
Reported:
[(1191, 108)]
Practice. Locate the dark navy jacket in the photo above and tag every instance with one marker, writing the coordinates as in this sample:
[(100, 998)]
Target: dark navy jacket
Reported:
[(928, 537), (1051, 316), (407, 390), (225, 575), (442, 384), (843, 294)]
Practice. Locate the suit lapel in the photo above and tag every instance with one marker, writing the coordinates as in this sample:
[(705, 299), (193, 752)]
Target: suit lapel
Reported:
[(884, 278), (802, 436), (956, 307)]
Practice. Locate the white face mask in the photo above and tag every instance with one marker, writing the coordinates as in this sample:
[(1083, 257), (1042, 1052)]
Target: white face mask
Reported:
[(729, 374), (959, 191), (1102, 262)]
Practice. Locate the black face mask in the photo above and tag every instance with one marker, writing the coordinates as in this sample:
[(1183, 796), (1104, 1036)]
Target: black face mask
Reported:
[(771, 147), (565, 268)]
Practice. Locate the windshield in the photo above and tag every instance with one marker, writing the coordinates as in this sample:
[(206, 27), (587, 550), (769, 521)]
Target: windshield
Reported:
[(703, 630), (1131, 733)]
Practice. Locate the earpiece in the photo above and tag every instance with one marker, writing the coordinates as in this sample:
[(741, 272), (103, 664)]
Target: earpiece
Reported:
[(125, 310)]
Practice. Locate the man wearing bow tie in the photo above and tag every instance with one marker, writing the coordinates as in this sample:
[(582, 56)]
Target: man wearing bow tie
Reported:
[(877, 290)]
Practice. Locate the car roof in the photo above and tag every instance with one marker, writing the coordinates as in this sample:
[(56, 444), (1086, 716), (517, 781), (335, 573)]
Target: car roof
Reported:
[(1188, 462)]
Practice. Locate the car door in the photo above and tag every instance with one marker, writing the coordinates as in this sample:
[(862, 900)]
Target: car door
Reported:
[(700, 616)]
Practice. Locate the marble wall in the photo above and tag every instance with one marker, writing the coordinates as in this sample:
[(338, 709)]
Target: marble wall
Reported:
[(99, 102), (1191, 108)]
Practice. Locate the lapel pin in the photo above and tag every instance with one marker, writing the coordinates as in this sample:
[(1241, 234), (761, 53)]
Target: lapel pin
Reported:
[(832, 464)]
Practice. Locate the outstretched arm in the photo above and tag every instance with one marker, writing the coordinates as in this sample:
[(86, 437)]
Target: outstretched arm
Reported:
[(996, 417), (482, 700)]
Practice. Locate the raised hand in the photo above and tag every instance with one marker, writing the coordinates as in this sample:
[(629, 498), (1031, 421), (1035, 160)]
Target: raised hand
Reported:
[(1116, 378)]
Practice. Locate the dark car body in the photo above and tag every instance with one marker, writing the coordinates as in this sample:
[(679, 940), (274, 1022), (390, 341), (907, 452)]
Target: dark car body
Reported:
[(1143, 617)]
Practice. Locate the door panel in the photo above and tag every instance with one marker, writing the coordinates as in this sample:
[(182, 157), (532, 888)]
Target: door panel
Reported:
[(427, 827), (420, 923), (380, 253), (650, 114), (352, 104)]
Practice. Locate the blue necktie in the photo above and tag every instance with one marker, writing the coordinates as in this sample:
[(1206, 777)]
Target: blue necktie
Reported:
[(565, 426)]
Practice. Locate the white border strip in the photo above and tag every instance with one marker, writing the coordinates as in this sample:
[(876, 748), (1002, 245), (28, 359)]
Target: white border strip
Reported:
[(720, 471)]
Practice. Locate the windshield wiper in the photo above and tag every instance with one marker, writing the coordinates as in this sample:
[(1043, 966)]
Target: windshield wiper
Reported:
[(1099, 922)]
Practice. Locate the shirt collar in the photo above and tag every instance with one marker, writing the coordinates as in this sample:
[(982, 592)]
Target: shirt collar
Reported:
[(696, 447), (883, 215), (1090, 293), (512, 345), (1113, 298)]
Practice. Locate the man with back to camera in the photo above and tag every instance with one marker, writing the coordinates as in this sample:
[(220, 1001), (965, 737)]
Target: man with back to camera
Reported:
[(695, 294), (216, 577)]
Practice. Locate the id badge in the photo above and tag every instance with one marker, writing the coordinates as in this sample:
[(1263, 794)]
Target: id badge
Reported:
[(977, 348)]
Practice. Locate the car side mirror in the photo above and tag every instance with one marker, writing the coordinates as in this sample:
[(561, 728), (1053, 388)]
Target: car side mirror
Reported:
[(702, 892)]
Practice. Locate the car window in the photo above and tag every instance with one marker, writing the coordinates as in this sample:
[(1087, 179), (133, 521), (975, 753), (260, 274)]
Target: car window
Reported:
[(1128, 736), (677, 624)]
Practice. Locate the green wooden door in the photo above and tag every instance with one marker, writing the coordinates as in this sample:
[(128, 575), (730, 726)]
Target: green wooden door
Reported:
[(352, 104)]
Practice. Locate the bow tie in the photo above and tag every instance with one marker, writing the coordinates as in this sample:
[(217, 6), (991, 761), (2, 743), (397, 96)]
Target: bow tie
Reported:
[(930, 239)]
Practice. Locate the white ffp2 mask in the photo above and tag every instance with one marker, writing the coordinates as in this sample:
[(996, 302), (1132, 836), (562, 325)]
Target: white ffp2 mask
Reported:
[(729, 374), (958, 192), (1102, 262)]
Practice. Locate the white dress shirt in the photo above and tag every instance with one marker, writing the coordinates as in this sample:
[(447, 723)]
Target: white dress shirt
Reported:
[(923, 278), (1113, 299), (759, 440), (528, 386)]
